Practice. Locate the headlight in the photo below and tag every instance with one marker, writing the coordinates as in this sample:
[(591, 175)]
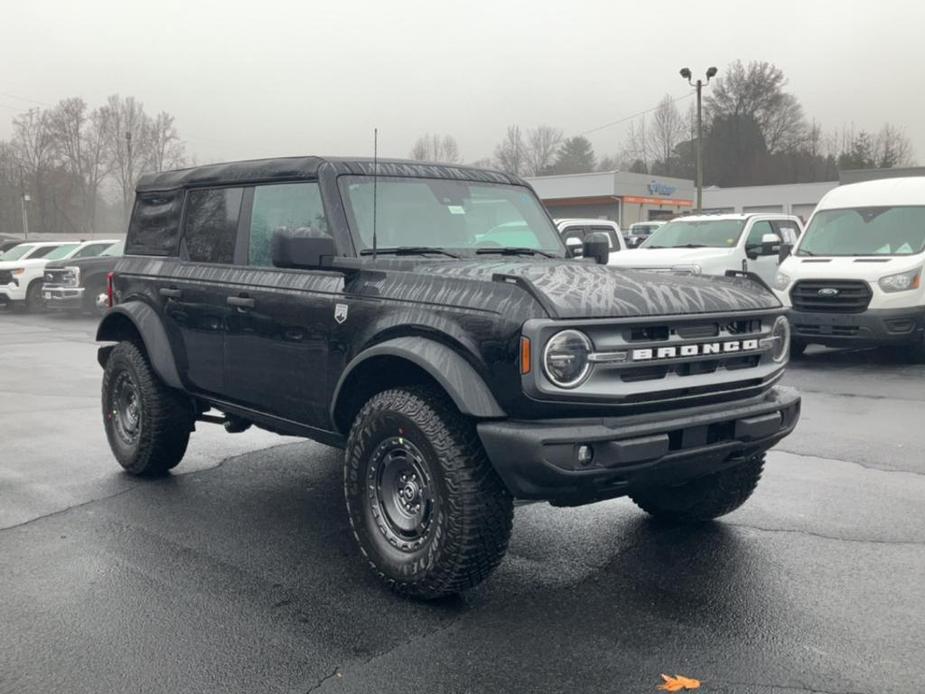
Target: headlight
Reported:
[(690, 269), (781, 281), (779, 339), (565, 359), (75, 275), (18, 271), (902, 281)]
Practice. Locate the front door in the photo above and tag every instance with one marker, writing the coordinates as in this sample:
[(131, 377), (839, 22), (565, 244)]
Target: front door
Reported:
[(277, 340), (765, 266)]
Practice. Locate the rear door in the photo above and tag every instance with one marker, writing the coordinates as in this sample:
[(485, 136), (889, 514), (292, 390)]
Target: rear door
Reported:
[(277, 344), (193, 296)]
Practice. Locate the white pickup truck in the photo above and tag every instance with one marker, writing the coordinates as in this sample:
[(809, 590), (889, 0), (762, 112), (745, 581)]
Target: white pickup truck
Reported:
[(22, 269), (714, 244)]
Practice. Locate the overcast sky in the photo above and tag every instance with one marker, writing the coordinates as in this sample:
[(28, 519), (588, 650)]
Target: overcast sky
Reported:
[(253, 79)]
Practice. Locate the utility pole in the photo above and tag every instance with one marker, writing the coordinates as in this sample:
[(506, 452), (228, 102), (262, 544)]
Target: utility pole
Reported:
[(699, 84), (131, 176), (23, 199)]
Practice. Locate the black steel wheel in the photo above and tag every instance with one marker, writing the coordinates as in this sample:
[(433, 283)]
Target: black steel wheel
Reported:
[(147, 424), (426, 507)]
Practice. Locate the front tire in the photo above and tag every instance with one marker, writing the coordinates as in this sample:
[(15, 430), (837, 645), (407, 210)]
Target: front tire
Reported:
[(34, 301), (704, 498), (148, 424), (426, 507)]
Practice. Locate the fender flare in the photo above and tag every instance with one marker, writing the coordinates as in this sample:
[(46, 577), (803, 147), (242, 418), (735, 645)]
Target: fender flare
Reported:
[(151, 329), (455, 375)]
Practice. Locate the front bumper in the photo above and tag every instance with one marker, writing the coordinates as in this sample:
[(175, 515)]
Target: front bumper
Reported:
[(538, 459), (12, 292), (63, 297), (872, 327)]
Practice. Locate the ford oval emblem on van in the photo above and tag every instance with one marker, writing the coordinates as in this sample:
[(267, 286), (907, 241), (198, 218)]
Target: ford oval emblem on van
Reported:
[(828, 291)]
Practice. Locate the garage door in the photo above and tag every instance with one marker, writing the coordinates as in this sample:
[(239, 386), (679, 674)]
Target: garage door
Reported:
[(804, 211)]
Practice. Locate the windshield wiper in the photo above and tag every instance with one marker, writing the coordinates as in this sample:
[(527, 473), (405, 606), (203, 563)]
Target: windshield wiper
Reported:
[(513, 250), (407, 250), (691, 245)]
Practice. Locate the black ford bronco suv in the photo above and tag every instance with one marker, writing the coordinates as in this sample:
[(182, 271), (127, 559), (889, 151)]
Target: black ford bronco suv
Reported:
[(427, 319)]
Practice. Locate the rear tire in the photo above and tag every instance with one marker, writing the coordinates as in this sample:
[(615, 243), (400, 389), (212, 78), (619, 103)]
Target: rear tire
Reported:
[(148, 424), (704, 498), (429, 512)]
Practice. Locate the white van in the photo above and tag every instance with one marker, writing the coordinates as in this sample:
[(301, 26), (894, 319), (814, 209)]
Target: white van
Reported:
[(855, 278), (716, 243)]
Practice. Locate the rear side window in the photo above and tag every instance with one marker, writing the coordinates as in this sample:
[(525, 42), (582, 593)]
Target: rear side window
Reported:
[(611, 236), (211, 224), (290, 205), (91, 251), (155, 225)]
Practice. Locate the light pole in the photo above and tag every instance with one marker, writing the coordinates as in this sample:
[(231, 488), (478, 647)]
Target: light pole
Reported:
[(686, 74), (25, 216)]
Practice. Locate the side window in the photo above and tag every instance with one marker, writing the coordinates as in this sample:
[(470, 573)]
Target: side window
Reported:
[(41, 252), (91, 251), (211, 225), (290, 205), (155, 225), (787, 231), (759, 229)]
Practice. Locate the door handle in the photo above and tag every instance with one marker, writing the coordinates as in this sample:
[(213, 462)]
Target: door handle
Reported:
[(241, 302), (170, 292)]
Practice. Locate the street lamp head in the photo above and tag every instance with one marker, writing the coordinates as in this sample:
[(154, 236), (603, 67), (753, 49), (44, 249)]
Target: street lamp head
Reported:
[(686, 73), (711, 72)]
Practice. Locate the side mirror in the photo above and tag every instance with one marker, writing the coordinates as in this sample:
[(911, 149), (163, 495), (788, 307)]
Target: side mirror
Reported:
[(785, 250), (574, 247), (597, 246), (301, 248), (770, 244)]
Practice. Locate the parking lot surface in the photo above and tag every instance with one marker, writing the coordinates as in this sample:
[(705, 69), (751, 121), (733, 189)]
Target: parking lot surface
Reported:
[(238, 573)]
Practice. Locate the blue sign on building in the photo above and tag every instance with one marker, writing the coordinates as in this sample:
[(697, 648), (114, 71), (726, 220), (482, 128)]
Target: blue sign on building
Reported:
[(657, 188)]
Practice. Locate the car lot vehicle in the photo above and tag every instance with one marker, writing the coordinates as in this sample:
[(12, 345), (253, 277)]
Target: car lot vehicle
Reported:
[(368, 306), (22, 273), (575, 231), (716, 244), (80, 284), (7, 244), (640, 231), (855, 278)]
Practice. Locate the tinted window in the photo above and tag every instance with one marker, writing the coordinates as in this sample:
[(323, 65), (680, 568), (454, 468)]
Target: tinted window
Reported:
[(611, 236), (757, 233), (211, 225), (41, 252), (155, 225), (291, 205)]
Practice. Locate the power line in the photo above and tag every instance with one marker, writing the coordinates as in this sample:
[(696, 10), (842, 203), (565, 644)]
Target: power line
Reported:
[(634, 115), (23, 98)]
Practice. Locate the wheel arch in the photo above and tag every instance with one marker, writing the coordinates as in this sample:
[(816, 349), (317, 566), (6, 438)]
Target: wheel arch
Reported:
[(410, 361), (137, 322)]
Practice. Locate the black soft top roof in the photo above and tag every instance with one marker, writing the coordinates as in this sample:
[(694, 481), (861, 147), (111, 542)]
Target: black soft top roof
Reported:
[(300, 168)]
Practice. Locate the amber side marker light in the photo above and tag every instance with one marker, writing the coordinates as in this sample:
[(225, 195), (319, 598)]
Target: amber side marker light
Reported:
[(525, 356)]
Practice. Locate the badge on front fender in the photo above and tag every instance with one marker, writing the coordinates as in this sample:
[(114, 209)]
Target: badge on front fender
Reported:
[(340, 312)]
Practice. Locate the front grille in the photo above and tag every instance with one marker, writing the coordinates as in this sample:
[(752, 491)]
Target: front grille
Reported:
[(831, 296), (6, 276), (834, 330)]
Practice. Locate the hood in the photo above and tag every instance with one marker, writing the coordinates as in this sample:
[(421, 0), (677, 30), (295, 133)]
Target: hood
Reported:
[(579, 289), (97, 261), (870, 268), (10, 264), (666, 257)]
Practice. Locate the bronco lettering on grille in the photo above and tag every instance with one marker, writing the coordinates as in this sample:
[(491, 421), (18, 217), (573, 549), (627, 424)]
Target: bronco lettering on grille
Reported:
[(702, 349)]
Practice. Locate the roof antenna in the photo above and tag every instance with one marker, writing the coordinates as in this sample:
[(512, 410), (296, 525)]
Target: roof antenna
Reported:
[(375, 184)]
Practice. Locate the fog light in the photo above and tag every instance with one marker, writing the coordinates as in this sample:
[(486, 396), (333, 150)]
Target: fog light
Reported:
[(585, 454)]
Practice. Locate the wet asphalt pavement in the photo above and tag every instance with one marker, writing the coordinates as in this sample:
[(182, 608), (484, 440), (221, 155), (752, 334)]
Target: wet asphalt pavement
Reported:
[(238, 573)]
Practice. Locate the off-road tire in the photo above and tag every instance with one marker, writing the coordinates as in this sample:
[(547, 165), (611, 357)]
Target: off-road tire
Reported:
[(164, 421), (472, 511), (797, 348), (34, 302), (704, 498)]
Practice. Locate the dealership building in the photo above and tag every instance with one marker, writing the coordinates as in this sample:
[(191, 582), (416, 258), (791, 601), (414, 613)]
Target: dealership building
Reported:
[(626, 198)]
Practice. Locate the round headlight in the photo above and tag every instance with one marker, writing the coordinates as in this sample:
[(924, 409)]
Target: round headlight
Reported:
[(780, 335), (565, 359)]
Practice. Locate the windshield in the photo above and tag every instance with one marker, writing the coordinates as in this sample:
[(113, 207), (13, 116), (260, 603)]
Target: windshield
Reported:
[(856, 231), (61, 251), (447, 214), (117, 249), (712, 233), (17, 252)]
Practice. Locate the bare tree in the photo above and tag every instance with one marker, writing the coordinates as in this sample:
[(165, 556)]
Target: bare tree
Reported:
[(542, 145), (128, 130), (636, 144), (667, 131), (165, 148), (78, 140), (438, 148), (511, 154), (892, 147), (32, 145)]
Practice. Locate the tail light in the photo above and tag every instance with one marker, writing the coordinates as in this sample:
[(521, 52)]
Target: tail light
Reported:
[(110, 295)]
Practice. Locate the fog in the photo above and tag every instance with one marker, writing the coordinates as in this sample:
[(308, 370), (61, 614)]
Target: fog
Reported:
[(259, 79)]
